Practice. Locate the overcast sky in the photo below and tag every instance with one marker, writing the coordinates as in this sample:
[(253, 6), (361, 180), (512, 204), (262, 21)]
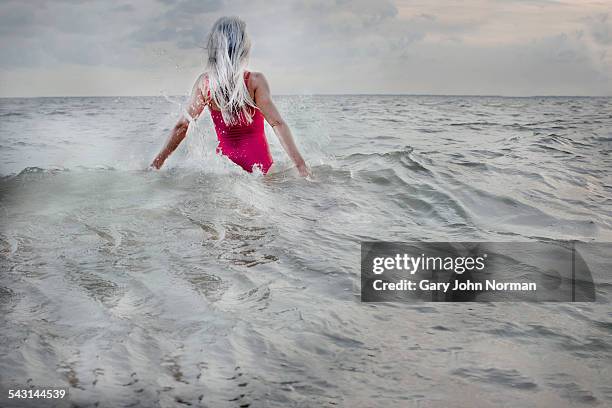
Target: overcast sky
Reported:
[(153, 47)]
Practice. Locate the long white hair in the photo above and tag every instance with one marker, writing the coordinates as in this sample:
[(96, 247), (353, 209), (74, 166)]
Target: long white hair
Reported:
[(229, 48)]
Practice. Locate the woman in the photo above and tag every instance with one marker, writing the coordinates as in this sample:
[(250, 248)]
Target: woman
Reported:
[(238, 101)]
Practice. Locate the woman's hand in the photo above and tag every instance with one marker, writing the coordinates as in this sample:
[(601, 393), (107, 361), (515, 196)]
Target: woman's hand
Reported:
[(304, 170), (158, 162)]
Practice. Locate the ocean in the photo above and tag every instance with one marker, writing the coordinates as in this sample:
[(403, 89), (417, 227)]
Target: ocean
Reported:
[(202, 285)]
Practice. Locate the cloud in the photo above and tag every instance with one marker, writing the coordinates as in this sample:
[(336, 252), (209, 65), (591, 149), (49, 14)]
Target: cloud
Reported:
[(476, 46), (50, 34), (601, 28), (124, 8), (185, 24), (15, 19)]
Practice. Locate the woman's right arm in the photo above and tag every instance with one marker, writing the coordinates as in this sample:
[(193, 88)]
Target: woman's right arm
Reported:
[(196, 105)]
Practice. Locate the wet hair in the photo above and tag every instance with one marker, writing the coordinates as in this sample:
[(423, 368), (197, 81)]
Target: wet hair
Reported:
[(229, 48)]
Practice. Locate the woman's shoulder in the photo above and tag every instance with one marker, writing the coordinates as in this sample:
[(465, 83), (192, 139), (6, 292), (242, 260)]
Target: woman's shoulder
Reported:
[(202, 84), (256, 79), (256, 75)]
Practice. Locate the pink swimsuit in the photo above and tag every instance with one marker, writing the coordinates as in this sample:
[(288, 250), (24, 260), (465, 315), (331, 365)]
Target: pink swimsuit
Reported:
[(244, 144)]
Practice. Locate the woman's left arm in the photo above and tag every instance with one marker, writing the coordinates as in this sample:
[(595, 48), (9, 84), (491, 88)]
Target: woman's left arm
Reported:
[(263, 100), (196, 105)]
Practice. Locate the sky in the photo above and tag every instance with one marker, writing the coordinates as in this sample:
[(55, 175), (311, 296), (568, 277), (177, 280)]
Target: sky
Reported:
[(155, 47)]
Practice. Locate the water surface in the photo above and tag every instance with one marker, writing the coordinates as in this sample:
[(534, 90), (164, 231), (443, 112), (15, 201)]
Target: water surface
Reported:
[(204, 285)]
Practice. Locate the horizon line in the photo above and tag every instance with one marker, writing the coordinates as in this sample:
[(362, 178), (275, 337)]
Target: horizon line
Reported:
[(322, 94)]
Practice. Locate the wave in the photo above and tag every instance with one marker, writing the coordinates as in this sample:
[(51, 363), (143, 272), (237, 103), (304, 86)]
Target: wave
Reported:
[(13, 114), (405, 157)]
